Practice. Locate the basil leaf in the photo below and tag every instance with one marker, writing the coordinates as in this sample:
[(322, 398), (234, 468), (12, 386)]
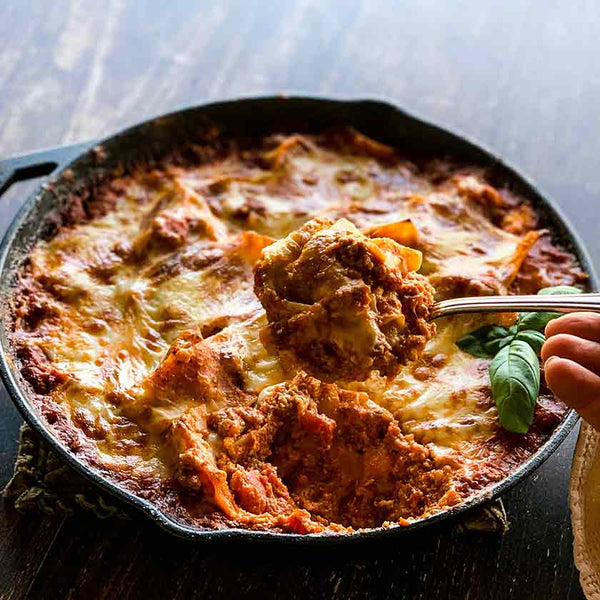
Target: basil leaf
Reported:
[(515, 379), (535, 339), (487, 340), (539, 320), (559, 289), (493, 346), (473, 342), (497, 332)]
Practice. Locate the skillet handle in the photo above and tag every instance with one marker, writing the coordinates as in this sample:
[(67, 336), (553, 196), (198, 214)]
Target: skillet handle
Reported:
[(37, 164)]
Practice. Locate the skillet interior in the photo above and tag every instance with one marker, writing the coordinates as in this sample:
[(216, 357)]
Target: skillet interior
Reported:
[(154, 139)]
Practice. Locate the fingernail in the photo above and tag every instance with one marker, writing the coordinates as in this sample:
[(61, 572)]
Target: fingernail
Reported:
[(549, 360)]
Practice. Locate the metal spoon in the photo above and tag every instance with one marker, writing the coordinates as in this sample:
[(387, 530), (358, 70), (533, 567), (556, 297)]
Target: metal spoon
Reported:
[(480, 304)]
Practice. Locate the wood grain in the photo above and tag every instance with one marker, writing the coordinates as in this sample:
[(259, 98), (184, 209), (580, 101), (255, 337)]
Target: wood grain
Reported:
[(520, 76), (24, 549)]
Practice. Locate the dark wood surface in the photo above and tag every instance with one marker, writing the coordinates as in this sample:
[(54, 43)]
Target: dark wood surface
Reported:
[(522, 77)]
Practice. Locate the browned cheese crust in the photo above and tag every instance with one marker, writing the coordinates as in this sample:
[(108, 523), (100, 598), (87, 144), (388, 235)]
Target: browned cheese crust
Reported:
[(342, 304), (149, 355)]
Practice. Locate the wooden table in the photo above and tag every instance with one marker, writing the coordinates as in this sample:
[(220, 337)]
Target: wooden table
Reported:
[(520, 76)]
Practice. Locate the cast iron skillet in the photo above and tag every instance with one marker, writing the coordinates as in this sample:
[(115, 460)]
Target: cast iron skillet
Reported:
[(259, 116)]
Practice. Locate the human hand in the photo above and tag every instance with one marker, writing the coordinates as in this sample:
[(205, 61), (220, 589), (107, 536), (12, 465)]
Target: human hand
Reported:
[(571, 356)]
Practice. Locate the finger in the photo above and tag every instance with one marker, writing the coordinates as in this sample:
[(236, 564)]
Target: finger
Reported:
[(582, 324), (584, 352), (576, 387)]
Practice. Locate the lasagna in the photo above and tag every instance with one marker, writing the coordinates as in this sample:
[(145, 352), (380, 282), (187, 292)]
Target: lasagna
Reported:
[(341, 304), (238, 333)]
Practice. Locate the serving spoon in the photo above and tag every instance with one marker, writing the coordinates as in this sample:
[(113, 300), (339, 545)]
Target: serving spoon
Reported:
[(562, 303)]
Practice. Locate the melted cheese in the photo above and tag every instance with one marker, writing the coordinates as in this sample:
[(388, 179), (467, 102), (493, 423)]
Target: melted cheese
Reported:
[(445, 408)]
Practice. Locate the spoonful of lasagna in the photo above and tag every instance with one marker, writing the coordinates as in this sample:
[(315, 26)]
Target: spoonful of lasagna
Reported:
[(342, 303)]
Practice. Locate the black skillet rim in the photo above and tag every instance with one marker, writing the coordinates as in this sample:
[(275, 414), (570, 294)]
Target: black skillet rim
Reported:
[(559, 224)]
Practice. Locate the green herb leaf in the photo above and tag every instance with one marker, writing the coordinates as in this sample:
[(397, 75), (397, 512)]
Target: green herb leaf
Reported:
[(473, 342), (559, 289), (539, 320), (515, 369), (497, 332), (515, 379), (535, 339), (495, 345), (486, 341)]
